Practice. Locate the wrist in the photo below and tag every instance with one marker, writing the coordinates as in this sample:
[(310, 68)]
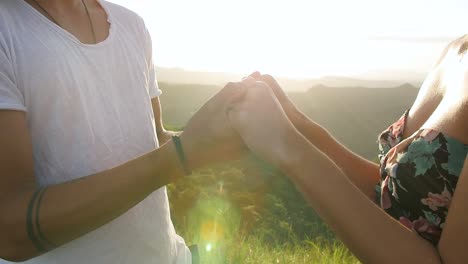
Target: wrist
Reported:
[(181, 154), (158, 168), (167, 162), (190, 150)]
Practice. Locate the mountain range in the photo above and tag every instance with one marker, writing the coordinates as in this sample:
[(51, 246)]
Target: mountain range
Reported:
[(354, 115), (181, 76)]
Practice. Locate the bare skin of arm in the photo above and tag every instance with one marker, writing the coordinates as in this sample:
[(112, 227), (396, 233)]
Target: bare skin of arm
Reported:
[(102, 196), (163, 134), (334, 194), (105, 195), (441, 104), (359, 222), (156, 104), (452, 244), (362, 172), (64, 216)]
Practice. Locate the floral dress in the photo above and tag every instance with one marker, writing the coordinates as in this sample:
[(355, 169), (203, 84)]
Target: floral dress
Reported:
[(418, 177)]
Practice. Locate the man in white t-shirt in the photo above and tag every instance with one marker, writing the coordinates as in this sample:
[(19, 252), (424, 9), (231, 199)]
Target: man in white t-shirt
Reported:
[(82, 174)]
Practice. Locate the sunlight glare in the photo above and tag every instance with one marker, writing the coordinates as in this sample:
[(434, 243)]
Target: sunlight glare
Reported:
[(299, 38), (208, 247)]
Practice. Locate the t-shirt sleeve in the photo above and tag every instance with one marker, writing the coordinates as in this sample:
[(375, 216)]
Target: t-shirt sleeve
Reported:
[(11, 97), (153, 87)]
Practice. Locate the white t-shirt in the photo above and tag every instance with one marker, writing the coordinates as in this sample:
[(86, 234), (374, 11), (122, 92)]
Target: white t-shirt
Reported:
[(89, 109)]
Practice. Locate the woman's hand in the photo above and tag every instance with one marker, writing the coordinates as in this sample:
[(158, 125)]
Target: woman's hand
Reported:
[(208, 136), (263, 125), (289, 108), (267, 131)]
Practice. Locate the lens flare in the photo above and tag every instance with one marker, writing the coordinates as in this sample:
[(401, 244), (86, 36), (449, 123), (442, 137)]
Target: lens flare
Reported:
[(214, 219), (208, 247), (211, 230)]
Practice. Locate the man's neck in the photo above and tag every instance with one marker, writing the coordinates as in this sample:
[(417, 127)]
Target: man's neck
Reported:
[(62, 5)]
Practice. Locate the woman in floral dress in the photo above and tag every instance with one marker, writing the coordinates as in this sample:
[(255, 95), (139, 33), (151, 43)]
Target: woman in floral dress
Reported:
[(410, 208)]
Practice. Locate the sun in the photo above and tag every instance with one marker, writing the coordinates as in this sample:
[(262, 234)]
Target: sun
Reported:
[(298, 38)]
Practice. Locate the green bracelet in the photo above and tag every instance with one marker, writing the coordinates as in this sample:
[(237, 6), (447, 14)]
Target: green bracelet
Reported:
[(181, 154)]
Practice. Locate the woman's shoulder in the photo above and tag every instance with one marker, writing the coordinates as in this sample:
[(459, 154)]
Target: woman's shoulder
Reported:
[(460, 45), (456, 65), (455, 48), (452, 68)]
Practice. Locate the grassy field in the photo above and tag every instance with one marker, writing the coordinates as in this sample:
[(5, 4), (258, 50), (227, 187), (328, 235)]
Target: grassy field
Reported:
[(252, 250), (247, 212)]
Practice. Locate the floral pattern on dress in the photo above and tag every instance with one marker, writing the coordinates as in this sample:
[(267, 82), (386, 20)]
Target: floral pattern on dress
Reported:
[(419, 175)]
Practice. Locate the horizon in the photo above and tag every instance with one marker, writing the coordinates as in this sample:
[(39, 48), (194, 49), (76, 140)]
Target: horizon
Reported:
[(180, 76), (395, 40)]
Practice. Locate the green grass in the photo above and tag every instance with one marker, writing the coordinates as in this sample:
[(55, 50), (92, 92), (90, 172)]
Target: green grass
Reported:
[(253, 250), (245, 212)]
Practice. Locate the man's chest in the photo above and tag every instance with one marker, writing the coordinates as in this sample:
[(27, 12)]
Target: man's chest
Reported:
[(53, 66)]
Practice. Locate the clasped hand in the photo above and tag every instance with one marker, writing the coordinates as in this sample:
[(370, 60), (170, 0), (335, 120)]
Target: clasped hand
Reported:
[(252, 114)]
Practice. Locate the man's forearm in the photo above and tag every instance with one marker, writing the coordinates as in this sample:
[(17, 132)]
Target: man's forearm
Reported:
[(72, 209), (363, 173)]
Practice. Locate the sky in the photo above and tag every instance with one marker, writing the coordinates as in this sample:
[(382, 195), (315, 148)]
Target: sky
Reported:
[(371, 39)]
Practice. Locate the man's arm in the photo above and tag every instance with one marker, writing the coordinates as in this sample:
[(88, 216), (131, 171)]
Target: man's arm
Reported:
[(163, 134), (156, 104), (69, 210)]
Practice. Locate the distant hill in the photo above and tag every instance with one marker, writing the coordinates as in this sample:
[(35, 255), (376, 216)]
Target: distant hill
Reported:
[(354, 115), (181, 76)]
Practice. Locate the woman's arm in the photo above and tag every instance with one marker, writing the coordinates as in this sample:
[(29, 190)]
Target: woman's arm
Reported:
[(362, 172), (69, 210), (454, 238), (371, 234)]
